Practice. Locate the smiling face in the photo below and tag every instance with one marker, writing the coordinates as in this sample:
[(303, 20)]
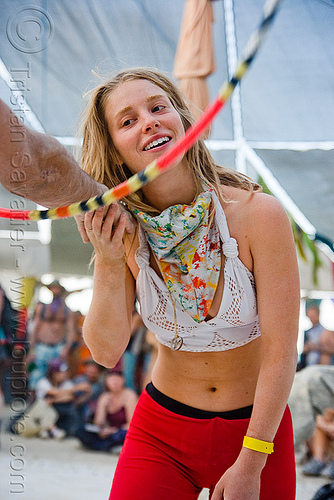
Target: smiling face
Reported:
[(142, 122)]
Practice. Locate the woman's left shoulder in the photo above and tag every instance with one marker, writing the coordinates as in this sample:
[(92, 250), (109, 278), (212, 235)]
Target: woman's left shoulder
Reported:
[(267, 221), (253, 211), (264, 208)]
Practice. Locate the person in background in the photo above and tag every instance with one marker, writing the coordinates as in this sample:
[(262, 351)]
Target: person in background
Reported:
[(131, 354), (74, 360), (114, 411), (311, 393), (2, 405), (322, 461), (86, 402), (53, 334), (318, 342), (6, 343), (59, 391)]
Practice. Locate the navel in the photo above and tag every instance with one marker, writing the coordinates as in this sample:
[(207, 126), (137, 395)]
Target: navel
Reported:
[(213, 389)]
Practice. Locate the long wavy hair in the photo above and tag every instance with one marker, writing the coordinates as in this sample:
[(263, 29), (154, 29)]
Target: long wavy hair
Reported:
[(100, 159)]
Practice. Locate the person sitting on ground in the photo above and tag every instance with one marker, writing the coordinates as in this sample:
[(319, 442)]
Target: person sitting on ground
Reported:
[(320, 443), (87, 402), (115, 408), (59, 391), (312, 392)]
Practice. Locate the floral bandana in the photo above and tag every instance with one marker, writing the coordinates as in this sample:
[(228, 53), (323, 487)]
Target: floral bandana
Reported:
[(187, 246)]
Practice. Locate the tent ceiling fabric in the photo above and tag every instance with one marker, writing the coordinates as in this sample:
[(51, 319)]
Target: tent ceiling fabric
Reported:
[(101, 35), (308, 177), (288, 94)]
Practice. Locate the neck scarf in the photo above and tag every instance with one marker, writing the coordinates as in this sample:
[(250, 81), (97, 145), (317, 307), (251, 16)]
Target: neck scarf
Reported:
[(187, 246)]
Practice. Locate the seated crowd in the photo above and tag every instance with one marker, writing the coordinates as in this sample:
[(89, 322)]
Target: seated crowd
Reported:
[(312, 398), (69, 393)]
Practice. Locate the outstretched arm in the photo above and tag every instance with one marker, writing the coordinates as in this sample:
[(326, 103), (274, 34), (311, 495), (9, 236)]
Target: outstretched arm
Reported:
[(36, 166)]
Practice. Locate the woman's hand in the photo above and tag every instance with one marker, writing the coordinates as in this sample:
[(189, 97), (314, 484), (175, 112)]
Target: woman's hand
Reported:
[(106, 232), (237, 484), (130, 223)]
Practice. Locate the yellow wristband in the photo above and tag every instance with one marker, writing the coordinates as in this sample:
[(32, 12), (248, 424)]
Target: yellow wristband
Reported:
[(258, 445)]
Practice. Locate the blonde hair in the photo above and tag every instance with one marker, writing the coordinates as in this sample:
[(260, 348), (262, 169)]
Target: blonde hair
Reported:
[(100, 159)]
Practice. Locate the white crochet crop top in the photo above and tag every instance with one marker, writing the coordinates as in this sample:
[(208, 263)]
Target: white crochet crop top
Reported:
[(236, 323)]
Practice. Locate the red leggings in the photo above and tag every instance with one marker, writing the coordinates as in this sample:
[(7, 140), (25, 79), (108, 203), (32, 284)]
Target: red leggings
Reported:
[(168, 456)]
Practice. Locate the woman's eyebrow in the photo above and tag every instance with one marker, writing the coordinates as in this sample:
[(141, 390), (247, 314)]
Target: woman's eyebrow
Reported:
[(153, 97), (123, 111), (149, 99)]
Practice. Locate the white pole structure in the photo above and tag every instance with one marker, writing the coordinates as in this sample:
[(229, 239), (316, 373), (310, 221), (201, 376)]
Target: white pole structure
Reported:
[(232, 62)]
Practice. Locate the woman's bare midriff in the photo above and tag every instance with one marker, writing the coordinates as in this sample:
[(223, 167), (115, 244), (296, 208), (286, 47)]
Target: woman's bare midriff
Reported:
[(214, 381)]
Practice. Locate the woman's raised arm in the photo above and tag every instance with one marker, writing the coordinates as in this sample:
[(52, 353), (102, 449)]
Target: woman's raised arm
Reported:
[(107, 327)]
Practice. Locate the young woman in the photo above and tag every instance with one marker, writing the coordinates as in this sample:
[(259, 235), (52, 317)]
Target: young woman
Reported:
[(114, 410), (213, 264)]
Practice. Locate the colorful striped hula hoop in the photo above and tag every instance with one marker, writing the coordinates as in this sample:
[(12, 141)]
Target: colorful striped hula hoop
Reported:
[(155, 168)]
